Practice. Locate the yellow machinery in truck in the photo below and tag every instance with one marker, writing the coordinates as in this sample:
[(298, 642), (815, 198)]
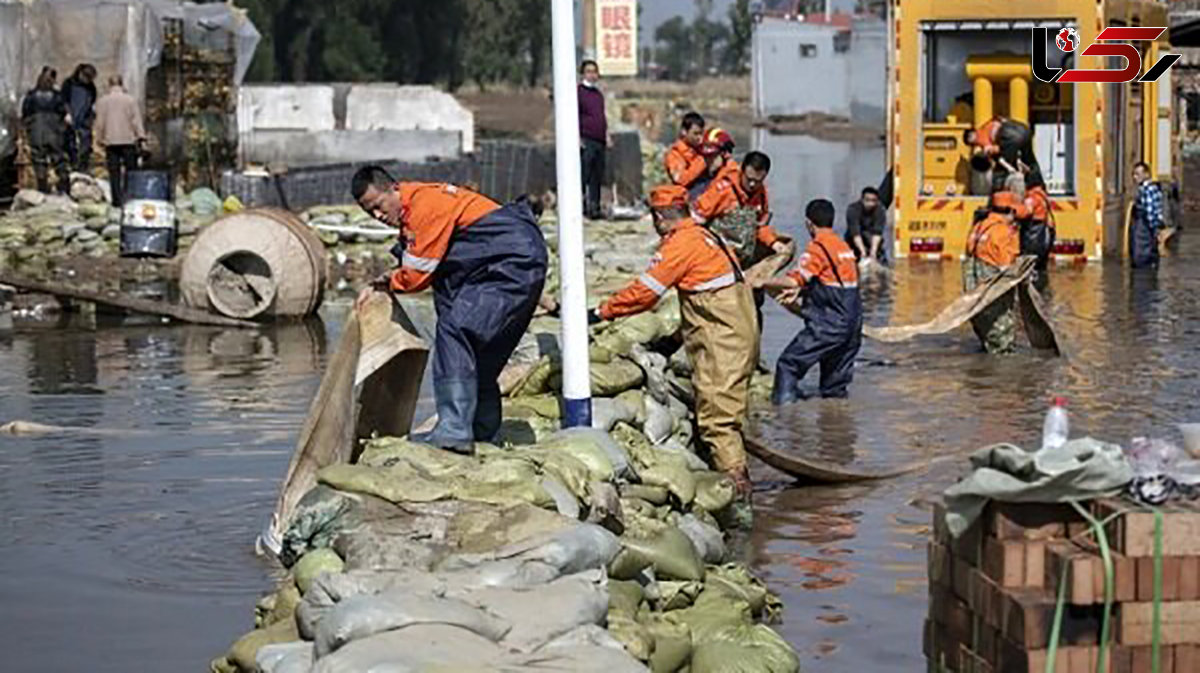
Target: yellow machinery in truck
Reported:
[(1087, 137)]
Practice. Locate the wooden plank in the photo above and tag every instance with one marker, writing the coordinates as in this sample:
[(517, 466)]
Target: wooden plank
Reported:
[(940, 573), (1004, 561), (961, 578), (119, 300), (1180, 623)]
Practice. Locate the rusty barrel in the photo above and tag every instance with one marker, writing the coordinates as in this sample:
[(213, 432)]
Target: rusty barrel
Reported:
[(260, 263)]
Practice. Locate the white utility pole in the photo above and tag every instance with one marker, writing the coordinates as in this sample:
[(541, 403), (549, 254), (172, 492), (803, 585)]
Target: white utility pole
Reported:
[(577, 388)]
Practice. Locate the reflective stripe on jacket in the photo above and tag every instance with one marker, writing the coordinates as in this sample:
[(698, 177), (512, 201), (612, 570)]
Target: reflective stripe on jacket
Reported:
[(690, 258), (684, 164), (726, 193), (432, 213), (829, 272), (994, 241)]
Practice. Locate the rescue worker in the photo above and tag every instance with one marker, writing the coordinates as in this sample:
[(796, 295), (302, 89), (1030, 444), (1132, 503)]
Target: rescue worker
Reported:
[(1037, 227), (719, 332), (1147, 219), (737, 186), (45, 118), (487, 266), (992, 246), (685, 164), (1009, 144), (827, 276), (79, 93)]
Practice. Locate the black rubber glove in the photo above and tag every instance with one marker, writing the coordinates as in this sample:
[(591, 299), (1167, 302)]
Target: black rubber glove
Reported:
[(593, 317)]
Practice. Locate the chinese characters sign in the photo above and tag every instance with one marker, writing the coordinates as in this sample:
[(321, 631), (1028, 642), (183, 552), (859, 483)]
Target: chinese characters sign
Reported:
[(616, 37)]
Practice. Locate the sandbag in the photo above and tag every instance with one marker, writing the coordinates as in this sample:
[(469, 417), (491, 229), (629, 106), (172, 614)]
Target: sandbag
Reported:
[(624, 597), (277, 606), (714, 491), (567, 552), (655, 495), (712, 612), (607, 412), (706, 538), (612, 378), (746, 648), (320, 516), (540, 614), (603, 456), (632, 635), (295, 657), (587, 649), (314, 564), (650, 543), (675, 595), (735, 581), (328, 591), (243, 653), (416, 649), (672, 644), (363, 616)]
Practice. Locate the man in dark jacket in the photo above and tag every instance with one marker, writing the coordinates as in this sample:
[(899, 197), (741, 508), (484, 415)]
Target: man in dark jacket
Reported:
[(45, 117), (593, 137), (79, 93), (866, 224)]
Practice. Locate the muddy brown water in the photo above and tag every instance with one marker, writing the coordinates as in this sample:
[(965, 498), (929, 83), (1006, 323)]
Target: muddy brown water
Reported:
[(133, 552)]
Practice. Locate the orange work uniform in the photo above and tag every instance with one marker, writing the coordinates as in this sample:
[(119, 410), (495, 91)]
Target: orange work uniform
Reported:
[(994, 241), (1037, 202), (985, 137), (432, 212), (726, 193), (684, 164), (690, 257), (720, 333)]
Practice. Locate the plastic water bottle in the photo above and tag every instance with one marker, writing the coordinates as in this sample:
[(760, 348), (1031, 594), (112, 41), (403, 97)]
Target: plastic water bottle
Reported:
[(1057, 427)]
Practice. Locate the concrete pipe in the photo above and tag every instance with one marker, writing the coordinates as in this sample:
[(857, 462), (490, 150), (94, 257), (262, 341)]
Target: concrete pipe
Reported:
[(256, 264)]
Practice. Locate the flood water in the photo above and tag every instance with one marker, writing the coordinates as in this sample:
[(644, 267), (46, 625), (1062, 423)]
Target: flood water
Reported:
[(130, 548)]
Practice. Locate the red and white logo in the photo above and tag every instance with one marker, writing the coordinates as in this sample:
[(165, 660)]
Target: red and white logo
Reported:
[(1067, 39)]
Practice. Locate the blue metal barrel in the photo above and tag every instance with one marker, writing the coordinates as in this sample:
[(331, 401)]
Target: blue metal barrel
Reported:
[(148, 224)]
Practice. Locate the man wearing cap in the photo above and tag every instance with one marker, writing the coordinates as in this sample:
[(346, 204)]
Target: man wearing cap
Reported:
[(684, 163), (993, 245), (719, 331), (486, 264)]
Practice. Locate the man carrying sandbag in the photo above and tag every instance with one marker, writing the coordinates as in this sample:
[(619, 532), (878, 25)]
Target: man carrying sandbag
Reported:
[(487, 265), (993, 245), (719, 328)]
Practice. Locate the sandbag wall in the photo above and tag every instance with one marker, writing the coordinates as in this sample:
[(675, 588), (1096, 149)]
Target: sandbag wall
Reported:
[(601, 549)]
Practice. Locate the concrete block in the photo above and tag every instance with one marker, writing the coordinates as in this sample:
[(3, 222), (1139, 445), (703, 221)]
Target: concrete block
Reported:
[(303, 107), (372, 107)]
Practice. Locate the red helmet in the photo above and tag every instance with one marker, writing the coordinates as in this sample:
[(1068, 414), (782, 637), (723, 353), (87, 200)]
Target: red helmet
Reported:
[(716, 140)]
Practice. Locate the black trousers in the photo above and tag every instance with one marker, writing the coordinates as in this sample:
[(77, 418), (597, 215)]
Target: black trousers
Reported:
[(79, 147), (120, 159), (593, 175)]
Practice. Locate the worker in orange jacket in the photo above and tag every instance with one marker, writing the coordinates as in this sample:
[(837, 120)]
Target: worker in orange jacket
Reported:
[(1008, 143), (827, 276), (736, 186), (685, 165), (486, 264), (1037, 227), (993, 245), (718, 323)]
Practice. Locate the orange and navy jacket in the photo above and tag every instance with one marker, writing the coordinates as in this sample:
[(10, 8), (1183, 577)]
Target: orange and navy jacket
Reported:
[(684, 164), (828, 270), (689, 257), (726, 193), (1037, 203), (432, 212), (994, 241), (985, 137)]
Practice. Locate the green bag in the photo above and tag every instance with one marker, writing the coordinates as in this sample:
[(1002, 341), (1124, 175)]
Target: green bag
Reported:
[(739, 230)]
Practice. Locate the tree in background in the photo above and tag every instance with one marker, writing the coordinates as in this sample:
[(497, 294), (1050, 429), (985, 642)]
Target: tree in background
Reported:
[(741, 34)]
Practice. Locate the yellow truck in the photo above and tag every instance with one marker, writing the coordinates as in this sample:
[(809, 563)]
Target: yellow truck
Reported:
[(954, 65)]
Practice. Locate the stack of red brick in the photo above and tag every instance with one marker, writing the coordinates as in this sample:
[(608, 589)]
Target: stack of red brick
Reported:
[(993, 590)]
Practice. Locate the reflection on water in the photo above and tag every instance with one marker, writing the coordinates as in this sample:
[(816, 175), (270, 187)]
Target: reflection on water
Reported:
[(850, 561), (130, 547)]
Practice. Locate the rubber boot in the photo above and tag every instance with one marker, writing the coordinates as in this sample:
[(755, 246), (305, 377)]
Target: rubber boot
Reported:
[(456, 402), (740, 515), (787, 387), (488, 416)]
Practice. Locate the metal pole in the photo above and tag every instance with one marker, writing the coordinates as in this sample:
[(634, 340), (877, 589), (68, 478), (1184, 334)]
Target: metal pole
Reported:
[(828, 11), (577, 389)]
